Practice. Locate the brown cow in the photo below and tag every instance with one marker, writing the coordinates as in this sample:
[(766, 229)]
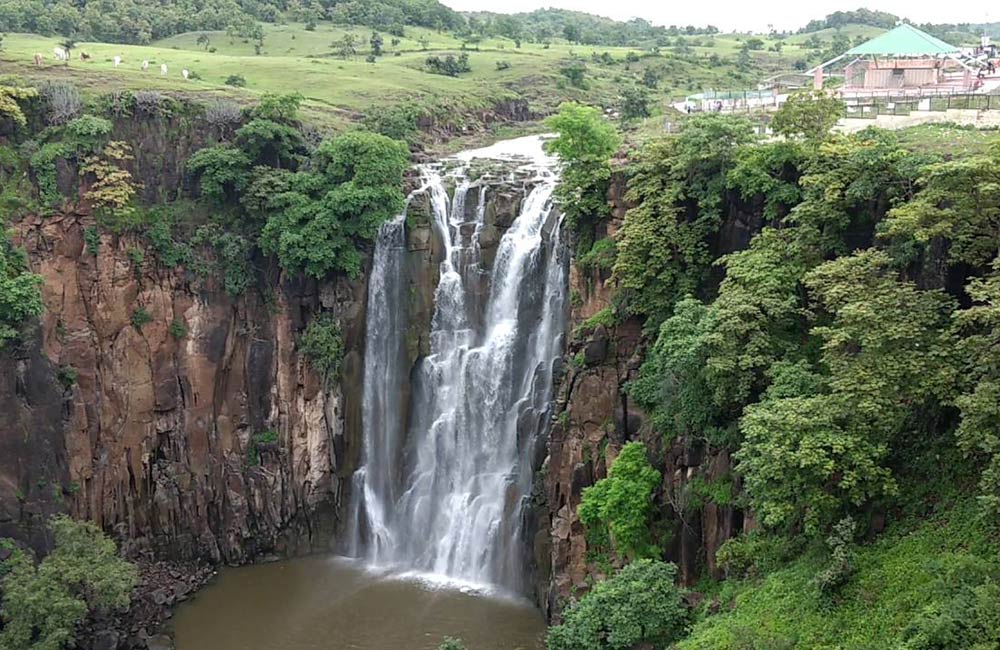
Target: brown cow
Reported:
[(84, 56)]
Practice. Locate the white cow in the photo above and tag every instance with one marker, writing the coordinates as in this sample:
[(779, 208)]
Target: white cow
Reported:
[(163, 68), (118, 61), (60, 53), (145, 65), (185, 73)]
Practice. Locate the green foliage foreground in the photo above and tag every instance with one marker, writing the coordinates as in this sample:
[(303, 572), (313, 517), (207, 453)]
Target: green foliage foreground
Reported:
[(44, 605), (639, 605)]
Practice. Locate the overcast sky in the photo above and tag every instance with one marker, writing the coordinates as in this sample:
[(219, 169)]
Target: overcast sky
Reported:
[(747, 14)]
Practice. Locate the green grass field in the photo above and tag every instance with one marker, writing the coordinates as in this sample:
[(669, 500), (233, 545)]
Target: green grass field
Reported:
[(338, 90), (294, 59)]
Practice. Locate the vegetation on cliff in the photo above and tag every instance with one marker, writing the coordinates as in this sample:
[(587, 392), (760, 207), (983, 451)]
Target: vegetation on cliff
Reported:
[(43, 605), (842, 353)]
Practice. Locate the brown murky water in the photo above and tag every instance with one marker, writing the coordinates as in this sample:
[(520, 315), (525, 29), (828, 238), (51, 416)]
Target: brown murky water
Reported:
[(324, 603)]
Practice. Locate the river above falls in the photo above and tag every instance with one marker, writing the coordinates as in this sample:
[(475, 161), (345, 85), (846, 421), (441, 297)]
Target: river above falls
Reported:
[(328, 603)]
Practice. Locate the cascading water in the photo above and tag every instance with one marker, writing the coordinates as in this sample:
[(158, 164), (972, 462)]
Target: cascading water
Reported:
[(446, 472)]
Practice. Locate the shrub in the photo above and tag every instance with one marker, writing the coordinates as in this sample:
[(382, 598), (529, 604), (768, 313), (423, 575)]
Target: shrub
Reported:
[(640, 606), (43, 605), (398, 122), (111, 185), (222, 170), (503, 65), (66, 376), (87, 131), (576, 73), (600, 257), (449, 65), (237, 80), (62, 101), (140, 317), (322, 344), (20, 291), (177, 329), (808, 113), (92, 240), (9, 107), (451, 644), (222, 113), (842, 557), (616, 509), (153, 104)]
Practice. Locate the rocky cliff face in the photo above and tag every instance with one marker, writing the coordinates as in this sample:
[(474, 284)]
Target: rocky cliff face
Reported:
[(595, 417), (149, 428), (182, 420)]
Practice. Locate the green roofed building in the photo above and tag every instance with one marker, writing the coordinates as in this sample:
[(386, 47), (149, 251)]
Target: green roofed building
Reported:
[(903, 57)]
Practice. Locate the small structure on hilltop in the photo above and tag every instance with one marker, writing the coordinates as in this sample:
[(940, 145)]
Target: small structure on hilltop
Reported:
[(900, 59)]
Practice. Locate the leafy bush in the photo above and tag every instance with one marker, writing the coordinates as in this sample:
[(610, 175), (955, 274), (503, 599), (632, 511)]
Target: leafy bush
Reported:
[(576, 73), (808, 113), (10, 109), (316, 226), (112, 187), (449, 65), (236, 80), (640, 606), (323, 345), (451, 644), (20, 291), (44, 605), (87, 131), (503, 65), (616, 509), (222, 171), (398, 122), (600, 257)]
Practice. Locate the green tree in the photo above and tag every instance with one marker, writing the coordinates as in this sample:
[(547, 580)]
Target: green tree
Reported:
[(43, 605), (347, 46), (979, 429), (222, 170), (585, 144), (616, 509), (376, 44), (635, 103), (640, 606), (316, 226), (677, 187), (576, 73), (958, 203), (811, 456), (810, 114)]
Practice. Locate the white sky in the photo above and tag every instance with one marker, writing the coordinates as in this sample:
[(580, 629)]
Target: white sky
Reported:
[(747, 14)]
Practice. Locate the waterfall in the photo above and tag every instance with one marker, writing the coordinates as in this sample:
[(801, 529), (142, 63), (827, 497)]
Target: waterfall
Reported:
[(446, 467)]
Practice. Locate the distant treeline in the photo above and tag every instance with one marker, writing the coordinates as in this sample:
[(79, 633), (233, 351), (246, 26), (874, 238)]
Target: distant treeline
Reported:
[(884, 20), (132, 21), (576, 27)]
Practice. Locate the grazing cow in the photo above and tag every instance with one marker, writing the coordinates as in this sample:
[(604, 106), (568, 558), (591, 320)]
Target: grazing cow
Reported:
[(84, 56), (118, 61), (145, 65), (163, 68), (59, 53), (185, 73), (38, 59)]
